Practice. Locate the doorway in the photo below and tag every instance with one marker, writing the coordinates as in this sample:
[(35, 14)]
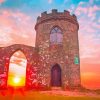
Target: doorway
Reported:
[(56, 76)]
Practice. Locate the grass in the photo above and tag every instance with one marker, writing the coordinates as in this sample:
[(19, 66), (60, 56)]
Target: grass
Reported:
[(39, 96)]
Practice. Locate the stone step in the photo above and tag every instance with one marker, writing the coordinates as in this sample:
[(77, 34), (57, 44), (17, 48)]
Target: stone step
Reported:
[(56, 88)]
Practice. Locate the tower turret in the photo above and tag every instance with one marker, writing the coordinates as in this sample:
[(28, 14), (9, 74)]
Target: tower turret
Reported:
[(57, 40)]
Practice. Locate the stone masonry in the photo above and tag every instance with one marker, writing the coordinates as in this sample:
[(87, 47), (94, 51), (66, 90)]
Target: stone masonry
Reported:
[(42, 58)]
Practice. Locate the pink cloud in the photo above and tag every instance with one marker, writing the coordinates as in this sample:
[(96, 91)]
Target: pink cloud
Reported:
[(88, 9), (89, 43), (1, 1), (92, 11), (88, 40), (16, 27), (80, 10), (88, 32)]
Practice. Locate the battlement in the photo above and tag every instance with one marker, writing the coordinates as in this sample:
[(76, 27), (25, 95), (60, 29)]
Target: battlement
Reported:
[(56, 15)]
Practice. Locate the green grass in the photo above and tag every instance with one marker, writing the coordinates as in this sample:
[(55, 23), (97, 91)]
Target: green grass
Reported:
[(40, 96)]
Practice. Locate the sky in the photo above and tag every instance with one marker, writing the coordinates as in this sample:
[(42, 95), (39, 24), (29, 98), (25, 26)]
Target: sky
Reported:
[(17, 69), (18, 18)]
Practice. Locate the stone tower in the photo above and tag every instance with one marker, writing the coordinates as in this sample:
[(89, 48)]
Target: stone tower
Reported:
[(58, 49), (54, 61)]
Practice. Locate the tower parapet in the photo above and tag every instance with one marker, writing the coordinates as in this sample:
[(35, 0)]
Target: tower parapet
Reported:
[(56, 16)]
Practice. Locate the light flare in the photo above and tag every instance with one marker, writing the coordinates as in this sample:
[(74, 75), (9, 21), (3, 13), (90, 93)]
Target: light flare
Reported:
[(16, 80)]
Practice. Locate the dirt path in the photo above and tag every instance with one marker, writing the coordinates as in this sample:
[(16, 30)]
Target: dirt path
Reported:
[(71, 93)]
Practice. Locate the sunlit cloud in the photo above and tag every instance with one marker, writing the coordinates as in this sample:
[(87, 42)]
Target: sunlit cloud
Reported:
[(88, 31), (89, 43), (18, 27), (1, 1)]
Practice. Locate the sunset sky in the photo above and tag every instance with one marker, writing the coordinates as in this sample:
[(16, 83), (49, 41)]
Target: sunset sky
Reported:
[(18, 18)]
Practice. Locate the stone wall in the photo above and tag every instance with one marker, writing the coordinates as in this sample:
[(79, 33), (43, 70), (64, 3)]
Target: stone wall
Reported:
[(32, 63)]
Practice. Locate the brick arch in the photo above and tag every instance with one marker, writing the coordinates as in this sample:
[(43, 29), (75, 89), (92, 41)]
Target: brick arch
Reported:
[(31, 55)]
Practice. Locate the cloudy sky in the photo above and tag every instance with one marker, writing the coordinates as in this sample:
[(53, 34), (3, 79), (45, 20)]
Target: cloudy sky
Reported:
[(18, 18)]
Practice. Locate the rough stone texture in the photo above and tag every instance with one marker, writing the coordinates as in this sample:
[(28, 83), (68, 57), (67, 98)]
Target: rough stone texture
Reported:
[(44, 56), (62, 54), (32, 60)]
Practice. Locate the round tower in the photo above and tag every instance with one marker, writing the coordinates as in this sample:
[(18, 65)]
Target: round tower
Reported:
[(57, 42)]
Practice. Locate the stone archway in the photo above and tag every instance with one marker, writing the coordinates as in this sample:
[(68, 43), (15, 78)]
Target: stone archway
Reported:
[(17, 69), (31, 55), (56, 76)]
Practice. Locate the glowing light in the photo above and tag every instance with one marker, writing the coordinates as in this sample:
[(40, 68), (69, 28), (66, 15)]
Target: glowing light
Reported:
[(17, 70), (16, 80)]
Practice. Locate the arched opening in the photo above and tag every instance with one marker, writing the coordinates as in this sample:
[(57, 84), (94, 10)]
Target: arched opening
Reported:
[(56, 35), (56, 76), (17, 69)]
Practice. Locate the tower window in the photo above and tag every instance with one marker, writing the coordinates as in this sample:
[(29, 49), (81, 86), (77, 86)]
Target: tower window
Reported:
[(56, 36)]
